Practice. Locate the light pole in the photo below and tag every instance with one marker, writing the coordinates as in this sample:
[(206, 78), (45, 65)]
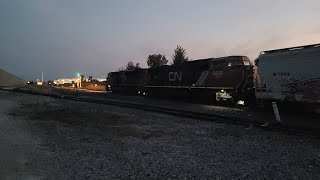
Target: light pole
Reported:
[(78, 84), (78, 79)]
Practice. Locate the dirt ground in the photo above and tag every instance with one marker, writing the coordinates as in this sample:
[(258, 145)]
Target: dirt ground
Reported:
[(42, 137)]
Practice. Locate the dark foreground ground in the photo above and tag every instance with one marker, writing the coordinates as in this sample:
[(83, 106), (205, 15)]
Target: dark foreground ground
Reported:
[(41, 137), (291, 116)]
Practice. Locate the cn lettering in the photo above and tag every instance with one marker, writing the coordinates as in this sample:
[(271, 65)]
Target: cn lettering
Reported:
[(174, 76)]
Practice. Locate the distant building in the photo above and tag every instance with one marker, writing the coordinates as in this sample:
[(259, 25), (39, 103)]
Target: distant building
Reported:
[(65, 81), (101, 80), (74, 80), (98, 79)]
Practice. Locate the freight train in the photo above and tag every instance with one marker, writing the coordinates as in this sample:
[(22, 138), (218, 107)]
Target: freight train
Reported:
[(281, 75)]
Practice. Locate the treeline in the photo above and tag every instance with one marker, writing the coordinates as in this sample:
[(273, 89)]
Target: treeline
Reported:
[(156, 60)]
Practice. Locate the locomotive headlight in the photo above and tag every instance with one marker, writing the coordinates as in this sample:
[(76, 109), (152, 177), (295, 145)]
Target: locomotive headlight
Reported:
[(240, 102), (109, 86), (222, 90)]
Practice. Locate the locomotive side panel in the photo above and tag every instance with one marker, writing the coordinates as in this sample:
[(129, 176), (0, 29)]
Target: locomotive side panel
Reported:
[(176, 80), (183, 75)]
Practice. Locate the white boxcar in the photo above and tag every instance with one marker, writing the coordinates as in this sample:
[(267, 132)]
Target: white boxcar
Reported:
[(291, 74)]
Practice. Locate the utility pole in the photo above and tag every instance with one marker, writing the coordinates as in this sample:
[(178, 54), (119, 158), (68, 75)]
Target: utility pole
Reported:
[(38, 80)]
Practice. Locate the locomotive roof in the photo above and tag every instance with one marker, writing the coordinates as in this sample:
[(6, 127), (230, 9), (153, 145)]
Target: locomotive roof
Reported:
[(206, 59), (189, 62), (134, 70), (217, 59), (231, 57)]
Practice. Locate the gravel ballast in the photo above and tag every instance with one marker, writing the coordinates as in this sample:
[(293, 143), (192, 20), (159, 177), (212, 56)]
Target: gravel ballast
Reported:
[(74, 140)]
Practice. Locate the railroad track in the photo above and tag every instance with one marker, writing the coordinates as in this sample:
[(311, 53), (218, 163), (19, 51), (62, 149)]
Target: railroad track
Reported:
[(272, 126)]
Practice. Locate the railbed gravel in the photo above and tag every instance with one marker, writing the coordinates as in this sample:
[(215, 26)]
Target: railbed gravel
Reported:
[(83, 140)]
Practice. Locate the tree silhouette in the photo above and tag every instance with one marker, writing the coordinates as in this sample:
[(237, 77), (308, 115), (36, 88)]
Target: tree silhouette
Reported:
[(156, 60), (121, 69), (131, 66), (179, 56), (137, 66), (90, 78)]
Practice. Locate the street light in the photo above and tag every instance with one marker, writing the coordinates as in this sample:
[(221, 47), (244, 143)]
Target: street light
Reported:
[(78, 75)]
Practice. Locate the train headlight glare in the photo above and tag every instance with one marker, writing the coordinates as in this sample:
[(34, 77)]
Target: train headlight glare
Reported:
[(240, 102)]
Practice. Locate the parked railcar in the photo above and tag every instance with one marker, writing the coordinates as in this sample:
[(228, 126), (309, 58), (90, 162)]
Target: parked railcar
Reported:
[(290, 75)]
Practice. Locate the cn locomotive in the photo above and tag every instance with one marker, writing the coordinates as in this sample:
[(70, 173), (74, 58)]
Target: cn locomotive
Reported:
[(282, 75), (220, 79)]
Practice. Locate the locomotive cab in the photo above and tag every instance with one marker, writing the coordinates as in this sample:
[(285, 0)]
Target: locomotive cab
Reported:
[(232, 78)]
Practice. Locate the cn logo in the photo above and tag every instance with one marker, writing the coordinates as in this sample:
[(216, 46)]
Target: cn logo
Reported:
[(173, 76)]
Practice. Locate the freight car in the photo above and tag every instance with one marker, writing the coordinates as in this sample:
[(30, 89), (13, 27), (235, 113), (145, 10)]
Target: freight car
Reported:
[(290, 75), (219, 79)]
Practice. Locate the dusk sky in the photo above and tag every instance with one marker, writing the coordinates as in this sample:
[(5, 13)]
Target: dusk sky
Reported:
[(95, 37)]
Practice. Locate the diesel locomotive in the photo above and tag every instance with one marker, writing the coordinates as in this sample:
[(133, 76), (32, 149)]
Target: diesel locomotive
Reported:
[(219, 79)]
